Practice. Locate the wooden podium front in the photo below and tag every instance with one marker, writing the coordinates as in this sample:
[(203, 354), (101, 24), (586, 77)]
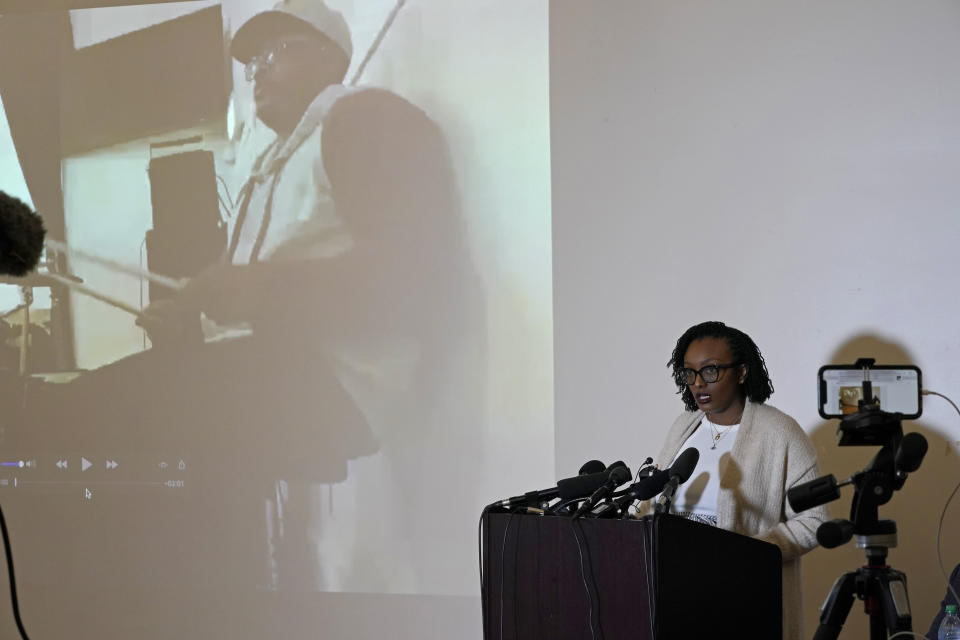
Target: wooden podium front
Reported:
[(655, 578)]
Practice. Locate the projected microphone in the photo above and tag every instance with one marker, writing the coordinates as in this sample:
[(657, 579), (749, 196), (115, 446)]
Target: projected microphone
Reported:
[(679, 472), (617, 474), (21, 237)]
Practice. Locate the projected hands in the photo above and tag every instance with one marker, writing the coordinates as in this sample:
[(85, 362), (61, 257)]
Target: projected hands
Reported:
[(225, 293)]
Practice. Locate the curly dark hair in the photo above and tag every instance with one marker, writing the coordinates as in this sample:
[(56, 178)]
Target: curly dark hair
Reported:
[(757, 385)]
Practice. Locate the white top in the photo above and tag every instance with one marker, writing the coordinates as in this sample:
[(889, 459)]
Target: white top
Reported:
[(696, 498), (771, 454), (290, 182)]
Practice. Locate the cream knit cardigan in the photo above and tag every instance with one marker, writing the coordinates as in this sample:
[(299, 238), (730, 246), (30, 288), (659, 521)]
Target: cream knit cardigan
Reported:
[(770, 455)]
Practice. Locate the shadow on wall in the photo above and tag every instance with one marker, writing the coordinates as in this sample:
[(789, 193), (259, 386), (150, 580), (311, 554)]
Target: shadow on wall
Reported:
[(916, 508)]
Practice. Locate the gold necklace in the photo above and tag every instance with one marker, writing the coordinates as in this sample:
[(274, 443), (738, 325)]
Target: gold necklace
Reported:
[(717, 434)]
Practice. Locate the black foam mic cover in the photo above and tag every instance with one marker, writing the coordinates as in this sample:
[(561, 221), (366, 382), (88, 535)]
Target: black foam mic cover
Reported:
[(650, 486), (592, 466), (21, 237), (684, 465), (583, 486), (619, 475)]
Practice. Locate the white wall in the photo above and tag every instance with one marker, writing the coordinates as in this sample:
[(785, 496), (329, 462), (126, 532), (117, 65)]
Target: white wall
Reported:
[(788, 168)]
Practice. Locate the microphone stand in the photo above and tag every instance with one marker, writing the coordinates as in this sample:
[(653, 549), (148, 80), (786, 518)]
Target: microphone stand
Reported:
[(665, 501)]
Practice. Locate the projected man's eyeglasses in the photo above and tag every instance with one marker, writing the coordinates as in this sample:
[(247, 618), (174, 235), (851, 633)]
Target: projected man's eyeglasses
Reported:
[(709, 373), (268, 58)]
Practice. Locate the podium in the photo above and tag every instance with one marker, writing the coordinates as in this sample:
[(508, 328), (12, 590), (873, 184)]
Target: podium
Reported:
[(655, 578)]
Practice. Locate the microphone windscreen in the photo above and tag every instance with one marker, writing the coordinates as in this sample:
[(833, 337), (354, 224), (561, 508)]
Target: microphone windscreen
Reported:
[(910, 453), (581, 486), (650, 486), (21, 237), (592, 466), (685, 463), (620, 475)]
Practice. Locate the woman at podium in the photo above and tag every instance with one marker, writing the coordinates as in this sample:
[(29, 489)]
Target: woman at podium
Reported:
[(750, 453)]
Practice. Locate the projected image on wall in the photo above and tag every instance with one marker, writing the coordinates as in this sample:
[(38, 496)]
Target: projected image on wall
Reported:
[(297, 298)]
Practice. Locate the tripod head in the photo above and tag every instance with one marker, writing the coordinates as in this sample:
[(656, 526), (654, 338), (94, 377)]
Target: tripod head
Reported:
[(873, 486)]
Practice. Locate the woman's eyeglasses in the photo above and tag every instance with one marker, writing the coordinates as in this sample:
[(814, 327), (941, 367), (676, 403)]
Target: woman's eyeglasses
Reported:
[(709, 373)]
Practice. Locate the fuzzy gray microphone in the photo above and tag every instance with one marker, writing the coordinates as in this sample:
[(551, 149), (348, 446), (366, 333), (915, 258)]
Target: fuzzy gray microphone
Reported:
[(21, 236)]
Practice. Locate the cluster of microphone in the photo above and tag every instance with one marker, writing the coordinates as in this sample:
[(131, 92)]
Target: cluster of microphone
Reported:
[(593, 492)]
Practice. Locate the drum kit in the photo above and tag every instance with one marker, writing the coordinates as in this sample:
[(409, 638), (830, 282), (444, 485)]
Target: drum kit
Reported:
[(46, 275)]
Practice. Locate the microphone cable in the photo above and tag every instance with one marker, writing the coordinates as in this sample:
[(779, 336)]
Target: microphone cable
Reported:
[(586, 587), (13, 579), (943, 513)]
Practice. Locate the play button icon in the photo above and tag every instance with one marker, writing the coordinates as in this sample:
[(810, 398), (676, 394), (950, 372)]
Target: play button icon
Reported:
[(85, 464)]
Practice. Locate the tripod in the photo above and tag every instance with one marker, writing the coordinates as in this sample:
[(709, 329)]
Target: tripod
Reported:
[(883, 589)]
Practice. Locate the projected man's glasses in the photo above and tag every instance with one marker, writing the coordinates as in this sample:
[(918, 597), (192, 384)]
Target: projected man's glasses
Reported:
[(709, 373), (268, 58), (262, 61)]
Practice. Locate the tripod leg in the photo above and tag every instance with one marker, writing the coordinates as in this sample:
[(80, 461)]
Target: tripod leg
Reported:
[(896, 604), (835, 608)]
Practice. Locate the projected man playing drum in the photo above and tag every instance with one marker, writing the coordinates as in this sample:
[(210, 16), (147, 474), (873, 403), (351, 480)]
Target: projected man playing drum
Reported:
[(321, 328)]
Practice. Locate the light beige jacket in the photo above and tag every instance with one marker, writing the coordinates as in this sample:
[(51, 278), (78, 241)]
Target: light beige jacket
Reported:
[(770, 455)]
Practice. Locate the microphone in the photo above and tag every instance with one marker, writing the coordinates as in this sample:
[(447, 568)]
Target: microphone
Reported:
[(530, 497), (679, 473), (646, 488), (650, 484), (646, 469), (643, 489), (593, 473), (592, 466), (582, 486), (617, 474), (21, 237)]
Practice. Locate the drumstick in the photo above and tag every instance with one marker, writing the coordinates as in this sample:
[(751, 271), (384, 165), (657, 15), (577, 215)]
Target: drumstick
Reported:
[(377, 41), (119, 267), (102, 297)]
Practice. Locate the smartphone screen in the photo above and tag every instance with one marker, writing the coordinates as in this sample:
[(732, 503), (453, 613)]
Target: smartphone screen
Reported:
[(895, 387)]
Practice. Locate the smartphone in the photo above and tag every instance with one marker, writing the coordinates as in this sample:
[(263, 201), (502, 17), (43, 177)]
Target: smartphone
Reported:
[(895, 386)]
